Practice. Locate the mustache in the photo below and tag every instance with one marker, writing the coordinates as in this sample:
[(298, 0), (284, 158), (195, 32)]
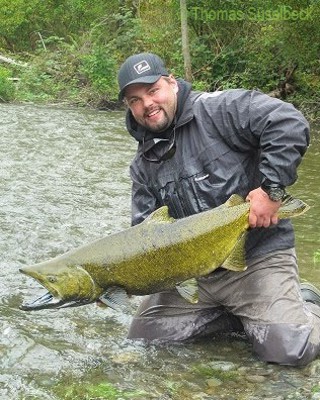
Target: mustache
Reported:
[(150, 110)]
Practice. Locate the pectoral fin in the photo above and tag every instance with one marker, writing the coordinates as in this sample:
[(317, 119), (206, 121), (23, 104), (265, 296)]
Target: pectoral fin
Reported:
[(237, 258), (189, 290), (116, 298)]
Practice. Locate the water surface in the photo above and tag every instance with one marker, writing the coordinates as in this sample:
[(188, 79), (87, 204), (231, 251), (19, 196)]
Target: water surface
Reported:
[(64, 181)]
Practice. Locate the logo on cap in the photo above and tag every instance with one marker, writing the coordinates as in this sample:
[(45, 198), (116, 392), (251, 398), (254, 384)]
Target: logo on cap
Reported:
[(142, 67)]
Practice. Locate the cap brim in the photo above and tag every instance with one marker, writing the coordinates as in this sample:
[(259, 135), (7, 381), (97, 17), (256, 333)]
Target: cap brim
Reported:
[(142, 79)]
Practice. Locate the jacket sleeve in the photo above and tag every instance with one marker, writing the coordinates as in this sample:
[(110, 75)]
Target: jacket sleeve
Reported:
[(250, 121), (143, 202), (283, 136)]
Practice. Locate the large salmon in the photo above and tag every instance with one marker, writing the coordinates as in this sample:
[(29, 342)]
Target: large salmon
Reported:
[(158, 254)]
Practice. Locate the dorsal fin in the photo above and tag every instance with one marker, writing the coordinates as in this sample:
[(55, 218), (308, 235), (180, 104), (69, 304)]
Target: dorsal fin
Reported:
[(161, 215)]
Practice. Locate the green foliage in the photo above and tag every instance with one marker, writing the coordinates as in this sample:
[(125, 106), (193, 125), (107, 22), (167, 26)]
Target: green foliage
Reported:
[(52, 74), (7, 88), (100, 69), (37, 85), (21, 21), (118, 30), (14, 15), (161, 29), (316, 389), (269, 45), (76, 46)]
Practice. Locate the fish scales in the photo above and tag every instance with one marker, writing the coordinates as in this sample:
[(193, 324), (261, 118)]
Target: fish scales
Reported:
[(166, 249), (160, 253)]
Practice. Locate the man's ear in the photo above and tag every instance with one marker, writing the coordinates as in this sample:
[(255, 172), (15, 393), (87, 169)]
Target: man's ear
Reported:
[(174, 83)]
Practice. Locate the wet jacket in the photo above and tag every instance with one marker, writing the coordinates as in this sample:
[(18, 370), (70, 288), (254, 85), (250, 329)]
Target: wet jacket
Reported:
[(226, 142)]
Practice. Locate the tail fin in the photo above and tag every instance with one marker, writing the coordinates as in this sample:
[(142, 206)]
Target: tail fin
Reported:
[(292, 207)]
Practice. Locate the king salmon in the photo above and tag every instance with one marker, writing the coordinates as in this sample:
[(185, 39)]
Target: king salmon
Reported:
[(160, 253)]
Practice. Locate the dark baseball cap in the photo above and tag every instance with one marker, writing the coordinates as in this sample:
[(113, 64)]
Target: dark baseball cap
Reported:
[(140, 68)]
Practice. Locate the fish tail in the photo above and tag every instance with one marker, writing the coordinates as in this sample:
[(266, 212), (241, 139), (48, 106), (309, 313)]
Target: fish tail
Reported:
[(292, 207)]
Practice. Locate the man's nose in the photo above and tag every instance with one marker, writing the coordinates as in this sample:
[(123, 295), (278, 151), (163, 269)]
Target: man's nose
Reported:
[(147, 101)]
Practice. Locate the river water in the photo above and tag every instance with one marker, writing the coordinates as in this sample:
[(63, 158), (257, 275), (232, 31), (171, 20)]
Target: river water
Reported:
[(64, 181)]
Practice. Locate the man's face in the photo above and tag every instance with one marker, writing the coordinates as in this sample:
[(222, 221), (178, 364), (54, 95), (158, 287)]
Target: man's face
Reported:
[(153, 105)]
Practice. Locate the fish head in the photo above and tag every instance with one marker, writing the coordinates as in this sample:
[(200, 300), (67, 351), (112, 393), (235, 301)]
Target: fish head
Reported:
[(67, 285)]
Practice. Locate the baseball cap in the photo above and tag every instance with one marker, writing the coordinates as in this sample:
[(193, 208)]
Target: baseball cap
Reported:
[(140, 68)]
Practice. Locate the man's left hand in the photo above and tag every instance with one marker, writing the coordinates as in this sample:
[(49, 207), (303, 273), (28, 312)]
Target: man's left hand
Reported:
[(263, 211)]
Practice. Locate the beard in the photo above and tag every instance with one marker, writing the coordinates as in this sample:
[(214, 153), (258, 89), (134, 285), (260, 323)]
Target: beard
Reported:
[(158, 118), (161, 125)]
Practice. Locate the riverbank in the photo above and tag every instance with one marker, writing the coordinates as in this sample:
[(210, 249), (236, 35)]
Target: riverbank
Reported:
[(89, 80), (308, 106)]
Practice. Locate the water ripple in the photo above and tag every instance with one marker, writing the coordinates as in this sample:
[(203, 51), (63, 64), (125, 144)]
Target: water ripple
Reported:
[(64, 181)]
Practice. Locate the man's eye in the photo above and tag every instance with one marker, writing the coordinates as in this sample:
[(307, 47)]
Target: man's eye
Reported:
[(133, 101), (153, 91)]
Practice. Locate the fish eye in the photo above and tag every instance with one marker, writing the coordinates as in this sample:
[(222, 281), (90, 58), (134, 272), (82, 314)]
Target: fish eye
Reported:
[(52, 279)]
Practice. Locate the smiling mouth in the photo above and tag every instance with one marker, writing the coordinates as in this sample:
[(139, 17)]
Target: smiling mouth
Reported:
[(153, 113)]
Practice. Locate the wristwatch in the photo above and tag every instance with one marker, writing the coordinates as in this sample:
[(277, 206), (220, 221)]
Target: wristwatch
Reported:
[(275, 191)]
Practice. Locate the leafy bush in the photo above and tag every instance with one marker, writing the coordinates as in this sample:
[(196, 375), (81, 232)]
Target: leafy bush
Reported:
[(100, 69), (7, 88), (76, 46)]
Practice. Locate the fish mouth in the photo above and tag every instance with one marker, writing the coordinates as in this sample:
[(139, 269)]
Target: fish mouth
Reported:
[(48, 301), (45, 301)]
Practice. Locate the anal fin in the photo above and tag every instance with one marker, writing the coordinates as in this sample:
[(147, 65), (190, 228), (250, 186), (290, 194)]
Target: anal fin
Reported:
[(189, 290)]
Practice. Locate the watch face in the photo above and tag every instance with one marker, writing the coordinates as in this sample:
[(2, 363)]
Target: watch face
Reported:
[(276, 194)]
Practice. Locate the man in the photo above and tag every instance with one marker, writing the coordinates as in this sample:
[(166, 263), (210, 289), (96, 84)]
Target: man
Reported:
[(194, 151)]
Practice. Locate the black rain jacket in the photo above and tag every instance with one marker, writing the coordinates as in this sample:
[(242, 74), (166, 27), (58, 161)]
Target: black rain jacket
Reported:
[(226, 142)]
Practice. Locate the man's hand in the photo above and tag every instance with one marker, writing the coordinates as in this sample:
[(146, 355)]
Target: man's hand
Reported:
[(263, 211)]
